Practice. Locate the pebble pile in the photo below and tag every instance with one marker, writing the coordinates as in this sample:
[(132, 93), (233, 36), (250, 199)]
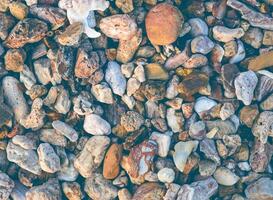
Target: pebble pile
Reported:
[(136, 99)]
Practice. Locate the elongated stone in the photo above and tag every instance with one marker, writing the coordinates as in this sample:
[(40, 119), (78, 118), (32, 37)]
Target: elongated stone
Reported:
[(261, 62)]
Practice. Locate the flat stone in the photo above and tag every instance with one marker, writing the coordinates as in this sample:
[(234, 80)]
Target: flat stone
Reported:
[(155, 71), (261, 62), (224, 34), (66, 130)]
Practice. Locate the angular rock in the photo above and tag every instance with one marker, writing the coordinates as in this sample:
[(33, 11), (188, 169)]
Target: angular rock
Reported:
[(260, 189), (248, 114), (253, 36), (208, 147), (175, 120), (29, 30), (98, 188), (91, 155), (132, 121), (267, 104), (72, 190), (14, 60), (103, 93), (261, 62), (6, 186), (245, 85), (198, 130), (125, 5), (264, 87), (71, 35), (163, 141), (155, 71), (151, 191)]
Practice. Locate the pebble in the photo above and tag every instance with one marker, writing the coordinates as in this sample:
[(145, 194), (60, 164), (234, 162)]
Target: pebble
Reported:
[(201, 44), (226, 127), (163, 141), (198, 27), (261, 62), (111, 162), (7, 22), (131, 121), (66, 130), (203, 104), (126, 6), (24, 141), (163, 24), (172, 190), (124, 194), (264, 87), (25, 158), (166, 175), (72, 190), (48, 159), (68, 171), (139, 74), (224, 34), (127, 69), (254, 37), (29, 30), (248, 114), (175, 120), (18, 10), (91, 155), (7, 185), (225, 177), (182, 152), (263, 126), (197, 130), (52, 137), (155, 71), (207, 168), (121, 27), (267, 104), (71, 35), (132, 86), (27, 77), (14, 60), (115, 78), (245, 85), (102, 93), (207, 146), (171, 91), (179, 59), (150, 191), (260, 189), (240, 54), (127, 48), (49, 190), (226, 111), (197, 60), (14, 97), (203, 189), (97, 188)]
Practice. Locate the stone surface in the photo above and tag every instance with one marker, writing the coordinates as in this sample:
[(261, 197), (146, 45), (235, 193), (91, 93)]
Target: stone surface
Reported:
[(224, 176), (248, 114), (6, 186), (166, 175), (260, 189), (201, 44), (66, 130), (71, 35), (163, 141), (97, 188), (14, 60), (72, 190), (132, 121), (260, 62), (125, 5), (150, 191), (155, 71), (29, 30), (163, 24), (111, 162), (18, 10), (224, 34), (91, 156), (103, 93)]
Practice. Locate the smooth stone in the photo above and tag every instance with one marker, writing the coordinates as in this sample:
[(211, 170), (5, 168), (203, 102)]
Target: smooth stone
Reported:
[(260, 189), (96, 125), (155, 71), (224, 34), (253, 36), (132, 86), (225, 177), (68, 172), (52, 137), (115, 78), (198, 27), (201, 44), (166, 175), (207, 167), (72, 190), (151, 191), (66, 130), (197, 130), (182, 152)]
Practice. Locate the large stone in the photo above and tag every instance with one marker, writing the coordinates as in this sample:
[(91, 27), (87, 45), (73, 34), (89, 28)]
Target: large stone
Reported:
[(151, 191), (260, 189), (96, 125), (6, 186)]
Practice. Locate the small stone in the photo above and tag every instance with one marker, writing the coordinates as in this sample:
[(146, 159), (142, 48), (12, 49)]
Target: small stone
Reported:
[(27, 77), (52, 137), (97, 188), (127, 48), (263, 126), (198, 27), (264, 87), (7, 22), (192, 83), (124, 194), (175, 120), (226, 127), (91, 155), (203, 104), (244, 166), (151, 191), (182, 152), (31, 2), (120, 26), (245, 85), (42, 68), (14, 97), (225, 177), (240, 54), (53, 15), (179, 59), (155, 71), (14, 60), (71, 35), (260, 189), (172, 190), (248, 114), (131, 121), (63, 102), (197, 130), (163, 24), (253, 36), (4, 5), (226, 111), (26, 159), (139, 161), (196, 61), (207, 146), (29, 30), (49, 190), (115, 78), (260, 62), (224, 34), (127, 69), (125, 5), (48, 159), (203, 189), (267, 104), (201, 44), (96, 125), (18, 10), (207, 168), (132, 86), (230, 48), (66, 130), (102, 93), (268, 38), (7, 185), (163, 141), (145, 51), (112, 160), (72, 190), (166, 175), (68, 171), (139, 73)]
